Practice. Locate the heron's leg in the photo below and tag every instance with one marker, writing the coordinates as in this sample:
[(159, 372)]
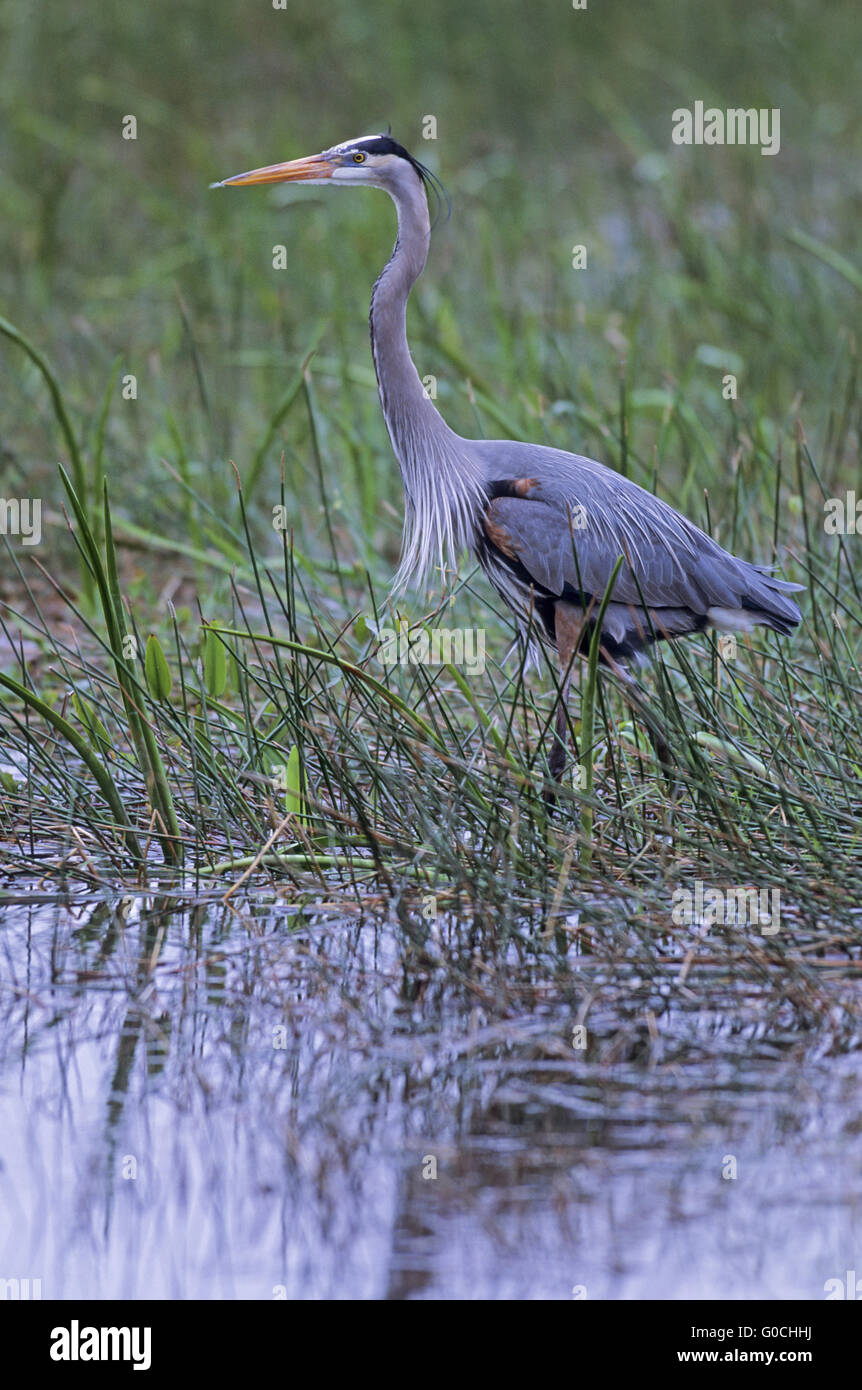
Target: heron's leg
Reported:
[(568, 625), (557, 760), (636, 698)]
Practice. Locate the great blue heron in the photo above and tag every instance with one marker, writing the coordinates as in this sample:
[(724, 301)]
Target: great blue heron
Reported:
[(546, 526)]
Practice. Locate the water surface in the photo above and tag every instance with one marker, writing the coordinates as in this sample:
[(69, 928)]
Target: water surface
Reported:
[(202, 1101)]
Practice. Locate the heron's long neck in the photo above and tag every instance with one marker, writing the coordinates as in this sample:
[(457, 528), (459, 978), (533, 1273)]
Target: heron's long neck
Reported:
[(410, 416), (440, 478)]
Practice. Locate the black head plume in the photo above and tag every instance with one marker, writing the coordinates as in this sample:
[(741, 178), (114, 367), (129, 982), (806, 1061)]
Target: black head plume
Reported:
[(384, 144)]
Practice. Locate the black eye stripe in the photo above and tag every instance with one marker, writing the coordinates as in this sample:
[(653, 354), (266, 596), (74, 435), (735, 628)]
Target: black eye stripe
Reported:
[(384, 144)]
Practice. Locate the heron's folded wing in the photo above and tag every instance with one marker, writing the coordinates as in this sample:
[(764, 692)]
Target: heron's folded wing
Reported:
[(575, 551)]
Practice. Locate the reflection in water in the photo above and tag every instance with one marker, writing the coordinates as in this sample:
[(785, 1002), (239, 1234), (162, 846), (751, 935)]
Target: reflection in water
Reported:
[(204, 1102)]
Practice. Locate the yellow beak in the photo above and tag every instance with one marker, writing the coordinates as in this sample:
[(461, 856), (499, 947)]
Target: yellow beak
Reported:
[(315, 166)]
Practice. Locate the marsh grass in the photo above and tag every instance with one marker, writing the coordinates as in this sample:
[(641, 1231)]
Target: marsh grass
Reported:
[(264, 737)]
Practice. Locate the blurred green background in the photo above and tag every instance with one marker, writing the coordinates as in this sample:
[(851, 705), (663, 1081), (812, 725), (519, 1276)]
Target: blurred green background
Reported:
[(554, 128)]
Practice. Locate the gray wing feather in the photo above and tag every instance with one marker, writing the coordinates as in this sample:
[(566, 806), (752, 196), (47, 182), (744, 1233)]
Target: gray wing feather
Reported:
[(677, 566)]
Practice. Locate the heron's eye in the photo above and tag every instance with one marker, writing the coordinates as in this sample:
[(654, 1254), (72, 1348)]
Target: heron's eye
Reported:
[(359, 157)]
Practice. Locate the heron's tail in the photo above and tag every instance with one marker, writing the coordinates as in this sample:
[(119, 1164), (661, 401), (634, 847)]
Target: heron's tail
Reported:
[(764, 603)]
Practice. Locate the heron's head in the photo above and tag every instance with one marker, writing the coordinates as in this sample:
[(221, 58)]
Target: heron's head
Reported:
[(376, 161)]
